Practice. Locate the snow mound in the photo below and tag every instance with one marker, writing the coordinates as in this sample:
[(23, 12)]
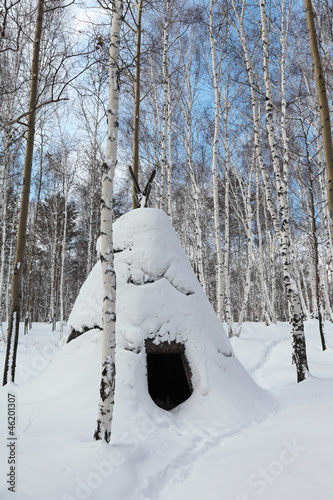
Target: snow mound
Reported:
[(160, 299)]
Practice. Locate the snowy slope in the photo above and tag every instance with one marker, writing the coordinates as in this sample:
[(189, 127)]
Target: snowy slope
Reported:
[(288, 454)]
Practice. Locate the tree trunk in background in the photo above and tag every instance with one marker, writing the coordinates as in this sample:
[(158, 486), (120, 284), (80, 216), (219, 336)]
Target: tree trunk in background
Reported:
[(54, 270), (328, 246), (64, 226), (283, 232), (316, 264), (27, 315), (136, 119), (52, 280), (166, 106), (63, 251), (10, 270), (323, 106), (14, 317), (249, 234), (227, 288), (217, 228), (107, 387), (294, 305), (3, 209), (169, 165)]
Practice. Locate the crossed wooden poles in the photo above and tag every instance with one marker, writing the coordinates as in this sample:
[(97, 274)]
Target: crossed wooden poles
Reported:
[(142, 197)]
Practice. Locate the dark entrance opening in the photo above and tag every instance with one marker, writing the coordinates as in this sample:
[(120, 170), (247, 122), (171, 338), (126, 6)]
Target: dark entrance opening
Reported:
[(169, 376)]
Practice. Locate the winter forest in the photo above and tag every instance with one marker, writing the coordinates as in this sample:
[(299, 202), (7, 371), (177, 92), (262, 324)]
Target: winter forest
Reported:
[(226, 111), (217, 114)]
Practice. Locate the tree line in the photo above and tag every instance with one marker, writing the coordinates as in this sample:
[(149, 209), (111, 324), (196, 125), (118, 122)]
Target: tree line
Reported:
[(220, 98)]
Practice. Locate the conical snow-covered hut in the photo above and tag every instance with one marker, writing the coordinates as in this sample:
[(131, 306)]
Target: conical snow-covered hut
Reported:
[(172, 352)]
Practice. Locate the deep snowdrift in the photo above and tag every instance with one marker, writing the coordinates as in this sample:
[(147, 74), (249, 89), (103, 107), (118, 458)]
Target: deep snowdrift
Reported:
[(162, 457)]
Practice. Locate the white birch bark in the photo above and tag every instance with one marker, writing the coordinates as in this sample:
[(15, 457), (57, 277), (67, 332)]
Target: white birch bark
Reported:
[(249, 236), (90, 232), (315, 267), (198, 234), (12, 70), (295, 309), (95, 146), (107, 387), (166, 106), (266, 304), (218, 245), (227, 287), (155, 143), (270, 282), (326, 215), (284, 45), (10, 270), (227, 304), (63, 253), (3, 209), (283, 232), (187, 107), (325, 287), (53, 243), (301, 285), (64, 227), (169, 164)]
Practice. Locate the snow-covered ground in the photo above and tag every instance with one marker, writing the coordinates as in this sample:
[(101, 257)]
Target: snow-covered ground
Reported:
[(284, 453), (246, 431)]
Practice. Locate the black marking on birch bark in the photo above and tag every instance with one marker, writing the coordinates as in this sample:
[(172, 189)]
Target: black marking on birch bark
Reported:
[(103, 390), (98, 435), (110, 271)]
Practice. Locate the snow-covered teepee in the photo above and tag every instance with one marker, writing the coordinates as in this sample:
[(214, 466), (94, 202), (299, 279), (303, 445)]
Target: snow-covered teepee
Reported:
[(172, 351)]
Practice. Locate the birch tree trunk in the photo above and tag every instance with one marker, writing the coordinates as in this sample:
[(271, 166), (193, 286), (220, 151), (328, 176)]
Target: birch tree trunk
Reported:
[(187, 102), (283, 232), (312, 214), (294, 304), (328, 246), (169, 164), (249, 235), (166, 105), (227, 304), (90, 232), (27, 316), (54, 266), (64, 227), (323, 106), (136, 119), (3, 210), (94, 167), (10, 270), (316, 263), (14, 317), (107, 387), (217, 228)]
